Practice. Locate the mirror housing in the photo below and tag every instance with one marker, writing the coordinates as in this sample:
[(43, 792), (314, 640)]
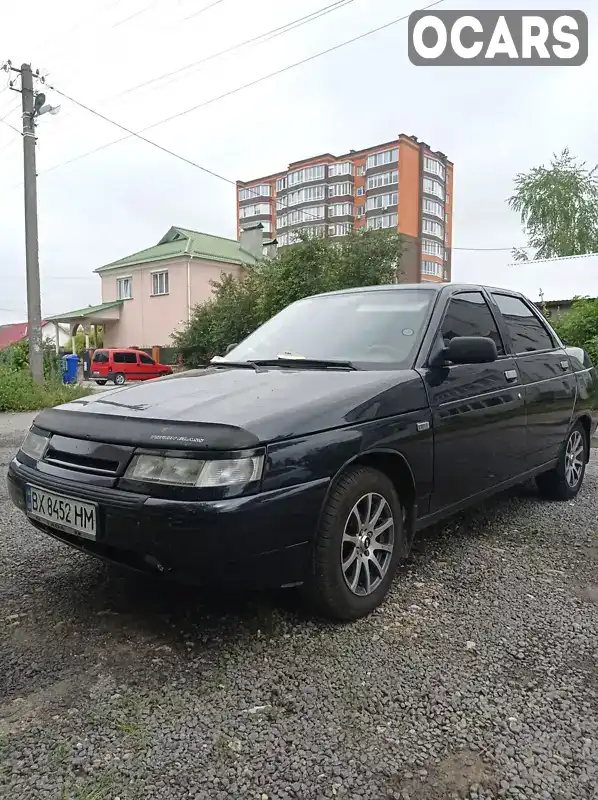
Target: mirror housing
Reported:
[(470, 350), (229, 348)]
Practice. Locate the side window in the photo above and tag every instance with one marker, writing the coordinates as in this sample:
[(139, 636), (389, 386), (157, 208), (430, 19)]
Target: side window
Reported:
[(145, 359), (124, 358), (468, 314), (525, 329), (100, 357)]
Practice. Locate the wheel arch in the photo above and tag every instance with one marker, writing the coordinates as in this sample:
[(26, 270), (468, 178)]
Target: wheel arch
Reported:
[(586, 421), (396, 467)]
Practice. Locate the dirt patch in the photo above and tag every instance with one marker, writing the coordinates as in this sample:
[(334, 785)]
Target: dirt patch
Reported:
[(454, 777)]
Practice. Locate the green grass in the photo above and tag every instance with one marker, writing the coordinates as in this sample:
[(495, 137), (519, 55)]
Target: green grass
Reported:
[(19, 392)]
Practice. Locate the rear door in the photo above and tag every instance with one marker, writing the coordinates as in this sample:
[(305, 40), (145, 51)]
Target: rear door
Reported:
[(100, 364), (546, 375), (478, 410)]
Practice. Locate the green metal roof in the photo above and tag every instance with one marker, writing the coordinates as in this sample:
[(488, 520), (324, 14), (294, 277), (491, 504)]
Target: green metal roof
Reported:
[(180, 242), (84, 312)]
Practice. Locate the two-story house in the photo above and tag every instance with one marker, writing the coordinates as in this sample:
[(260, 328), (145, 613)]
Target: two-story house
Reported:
[(148, 295)]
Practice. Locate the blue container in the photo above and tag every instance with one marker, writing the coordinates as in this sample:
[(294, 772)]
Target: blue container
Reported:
[(70, 364)]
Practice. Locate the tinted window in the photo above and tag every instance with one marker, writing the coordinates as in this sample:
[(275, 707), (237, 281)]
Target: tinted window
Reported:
[(125, 358), (468, 314), (525, 329), (100, 356), (371, 328), (145, 359)]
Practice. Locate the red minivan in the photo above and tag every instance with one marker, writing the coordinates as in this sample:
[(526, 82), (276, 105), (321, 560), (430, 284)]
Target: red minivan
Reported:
[(125, 364)]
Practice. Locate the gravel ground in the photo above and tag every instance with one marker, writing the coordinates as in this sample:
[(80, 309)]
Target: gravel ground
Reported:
[(478, 678)]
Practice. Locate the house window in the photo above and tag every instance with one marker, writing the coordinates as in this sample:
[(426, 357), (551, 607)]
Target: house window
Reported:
[(384, 221), (360, 191), (305, 215), (433, 207), (340, 229), (385, 157), (340, 210), (434, 166), (159, 283), (383, 179), (259, 209), (305, 175), (343, 168), (307, 195), (281, 184), (361, 170), (432, 248), (434, 187), (340, 189), (124, 288), (360, 211), (433, 227), (431, 268), (382, 201), (263, 190)]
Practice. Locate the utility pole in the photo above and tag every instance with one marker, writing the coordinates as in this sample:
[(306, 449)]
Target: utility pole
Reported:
[(34, 303)]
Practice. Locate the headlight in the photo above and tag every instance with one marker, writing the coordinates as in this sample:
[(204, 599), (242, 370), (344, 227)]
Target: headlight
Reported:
[(34, 445), (195, 472)]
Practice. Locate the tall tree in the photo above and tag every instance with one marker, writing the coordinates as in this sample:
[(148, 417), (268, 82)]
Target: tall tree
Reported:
[(558, 207)]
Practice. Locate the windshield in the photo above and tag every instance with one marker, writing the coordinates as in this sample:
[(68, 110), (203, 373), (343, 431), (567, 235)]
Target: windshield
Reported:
[(373, 328)]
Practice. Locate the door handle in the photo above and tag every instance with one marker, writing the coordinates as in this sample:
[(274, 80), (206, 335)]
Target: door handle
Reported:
[(511, 374), (565, 364)]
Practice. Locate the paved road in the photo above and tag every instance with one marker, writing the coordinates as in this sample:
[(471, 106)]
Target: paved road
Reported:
[(477, 679)]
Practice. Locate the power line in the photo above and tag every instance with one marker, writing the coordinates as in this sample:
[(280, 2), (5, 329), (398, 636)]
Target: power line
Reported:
[(229, 93), (266, 36), (202, 10)]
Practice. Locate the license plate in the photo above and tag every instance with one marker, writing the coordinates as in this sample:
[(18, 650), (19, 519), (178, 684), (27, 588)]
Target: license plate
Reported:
[(64, 513)]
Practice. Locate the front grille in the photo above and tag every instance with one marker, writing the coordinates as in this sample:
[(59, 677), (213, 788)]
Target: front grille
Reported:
[(93, 458)]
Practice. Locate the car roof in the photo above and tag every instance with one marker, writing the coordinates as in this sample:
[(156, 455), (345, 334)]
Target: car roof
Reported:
[(121, 349), (434, 286)]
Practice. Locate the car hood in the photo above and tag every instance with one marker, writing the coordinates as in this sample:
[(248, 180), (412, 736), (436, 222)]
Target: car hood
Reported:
[(236, 408)]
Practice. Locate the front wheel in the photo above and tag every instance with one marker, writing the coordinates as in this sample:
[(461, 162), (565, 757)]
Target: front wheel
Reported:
[(563, 482), (119, 379), (358, 545)]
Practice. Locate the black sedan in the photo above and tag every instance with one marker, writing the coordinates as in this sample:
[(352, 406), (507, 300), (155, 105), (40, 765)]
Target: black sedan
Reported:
[(312, 453)]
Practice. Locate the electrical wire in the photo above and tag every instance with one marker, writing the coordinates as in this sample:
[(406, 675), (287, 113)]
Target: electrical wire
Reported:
[(229, 93), (266, 36), (202, 10)]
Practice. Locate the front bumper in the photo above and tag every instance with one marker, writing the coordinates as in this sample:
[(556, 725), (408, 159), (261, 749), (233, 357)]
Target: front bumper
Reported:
[(259, 541)]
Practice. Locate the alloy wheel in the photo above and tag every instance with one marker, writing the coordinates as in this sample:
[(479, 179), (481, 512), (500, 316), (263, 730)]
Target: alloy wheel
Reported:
[(574, 456), (367, 544)]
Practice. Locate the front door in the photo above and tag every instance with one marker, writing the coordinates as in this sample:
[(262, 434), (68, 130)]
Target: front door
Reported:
[(478, 410), (546, 375)]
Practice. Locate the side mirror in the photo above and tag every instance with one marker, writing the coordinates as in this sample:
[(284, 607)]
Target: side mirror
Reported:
[(470, 350), (229, 348)]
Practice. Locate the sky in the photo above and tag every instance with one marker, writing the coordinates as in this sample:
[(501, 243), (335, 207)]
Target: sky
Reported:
[(492, 122)]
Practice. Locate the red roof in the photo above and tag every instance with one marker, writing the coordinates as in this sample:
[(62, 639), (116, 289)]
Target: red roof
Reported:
[(10, 334)]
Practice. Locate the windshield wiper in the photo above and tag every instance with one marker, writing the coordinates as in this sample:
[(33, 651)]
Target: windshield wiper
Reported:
[(234, 364), (309, 363)]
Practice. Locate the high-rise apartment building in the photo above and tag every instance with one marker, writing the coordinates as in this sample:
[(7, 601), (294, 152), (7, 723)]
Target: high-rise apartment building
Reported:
[(402, 184)]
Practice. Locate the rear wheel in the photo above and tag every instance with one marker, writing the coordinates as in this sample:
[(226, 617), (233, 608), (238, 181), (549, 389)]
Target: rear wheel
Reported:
[(101, 383), (358, 545), (564, 481), (119, 379)]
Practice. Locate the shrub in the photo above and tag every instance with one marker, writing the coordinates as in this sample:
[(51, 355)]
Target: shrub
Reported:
[(579, 326), (19, 392)]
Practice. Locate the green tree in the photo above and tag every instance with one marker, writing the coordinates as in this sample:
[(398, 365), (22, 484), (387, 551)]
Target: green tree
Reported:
[(313, 265), (80, 341), (558, 207), (579, 326)]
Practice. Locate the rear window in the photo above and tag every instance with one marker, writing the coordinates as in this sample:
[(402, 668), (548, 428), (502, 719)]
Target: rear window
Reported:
[(124, 358), (100, 356)]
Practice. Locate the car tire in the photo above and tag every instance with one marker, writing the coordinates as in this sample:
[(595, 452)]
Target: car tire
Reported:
[(361, 520), (564, 481), (119, 379), (101, 383)]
